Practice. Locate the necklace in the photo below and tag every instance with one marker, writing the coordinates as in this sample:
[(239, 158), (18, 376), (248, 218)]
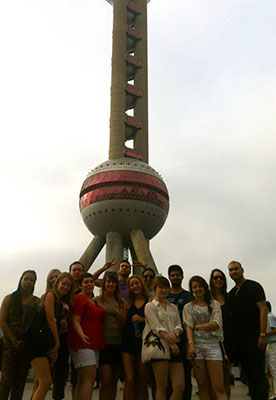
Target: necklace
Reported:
[(239, 288)]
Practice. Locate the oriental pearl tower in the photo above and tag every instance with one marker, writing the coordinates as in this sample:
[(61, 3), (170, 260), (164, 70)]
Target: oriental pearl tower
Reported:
[(124, 202)]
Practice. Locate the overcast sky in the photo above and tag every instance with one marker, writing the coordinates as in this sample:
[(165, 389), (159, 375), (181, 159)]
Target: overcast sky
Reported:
[(212, 85)]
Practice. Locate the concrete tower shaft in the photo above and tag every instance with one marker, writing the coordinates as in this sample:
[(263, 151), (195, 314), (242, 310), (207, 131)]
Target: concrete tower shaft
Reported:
[(124, 202), (129, 82)]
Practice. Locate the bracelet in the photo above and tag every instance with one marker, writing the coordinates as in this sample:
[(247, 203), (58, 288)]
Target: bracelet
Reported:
[(190, 342), (262, 334)]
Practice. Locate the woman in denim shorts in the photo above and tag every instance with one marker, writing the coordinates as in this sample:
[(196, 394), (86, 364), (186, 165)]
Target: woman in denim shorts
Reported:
[(203, 320)]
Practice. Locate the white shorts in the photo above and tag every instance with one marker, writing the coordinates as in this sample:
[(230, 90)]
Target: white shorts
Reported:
[(271, 358), (208, 351), (84, 357)]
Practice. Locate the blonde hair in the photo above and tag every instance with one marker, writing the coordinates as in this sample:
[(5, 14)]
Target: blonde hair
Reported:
[(131, 296), (68, 298), (49, 285)]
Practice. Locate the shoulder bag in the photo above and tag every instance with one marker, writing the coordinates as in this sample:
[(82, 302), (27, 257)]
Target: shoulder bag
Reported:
[(153, 347)]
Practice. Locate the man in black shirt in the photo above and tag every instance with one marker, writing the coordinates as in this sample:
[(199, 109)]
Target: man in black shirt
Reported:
[(249, 319), (180, 297)]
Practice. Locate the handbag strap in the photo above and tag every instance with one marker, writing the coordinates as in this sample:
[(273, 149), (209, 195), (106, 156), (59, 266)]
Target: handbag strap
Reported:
[(225, 356)]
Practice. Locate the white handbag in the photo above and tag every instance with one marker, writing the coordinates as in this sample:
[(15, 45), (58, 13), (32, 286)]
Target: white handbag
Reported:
[(153, 347)]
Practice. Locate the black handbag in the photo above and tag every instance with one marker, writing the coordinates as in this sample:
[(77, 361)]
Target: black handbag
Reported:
[(226, 361), (38, 332)]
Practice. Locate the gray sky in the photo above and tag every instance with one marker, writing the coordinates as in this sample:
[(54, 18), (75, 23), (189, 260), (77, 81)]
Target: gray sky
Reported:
[(212, 85)]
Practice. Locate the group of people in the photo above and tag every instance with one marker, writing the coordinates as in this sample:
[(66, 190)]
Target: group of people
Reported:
[(201, 329)]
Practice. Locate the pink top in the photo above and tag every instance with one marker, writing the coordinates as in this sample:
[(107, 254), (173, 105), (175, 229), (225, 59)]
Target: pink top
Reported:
[(92, 319)]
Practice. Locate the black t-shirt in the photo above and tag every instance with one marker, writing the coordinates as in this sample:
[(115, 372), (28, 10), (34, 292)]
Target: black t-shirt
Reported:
[(245, 313), (180, 299)]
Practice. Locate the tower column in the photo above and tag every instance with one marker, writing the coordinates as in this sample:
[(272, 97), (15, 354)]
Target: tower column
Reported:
[(141, 81), (118, 82), (114, 248), (92, 251), (141, 247)]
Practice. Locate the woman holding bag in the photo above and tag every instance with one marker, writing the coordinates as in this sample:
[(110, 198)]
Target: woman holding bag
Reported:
[(163, 322), (42, 337)]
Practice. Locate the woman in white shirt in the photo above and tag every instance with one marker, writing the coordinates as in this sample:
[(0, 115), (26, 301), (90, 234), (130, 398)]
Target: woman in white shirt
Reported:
[(164, 321), (203, 320)]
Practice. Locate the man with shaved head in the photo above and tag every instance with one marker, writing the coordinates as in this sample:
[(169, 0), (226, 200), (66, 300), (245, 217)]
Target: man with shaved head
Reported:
[(249, 319)]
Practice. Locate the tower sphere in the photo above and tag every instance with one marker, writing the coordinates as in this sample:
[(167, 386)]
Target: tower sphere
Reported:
[(124, 194), (124, 202)]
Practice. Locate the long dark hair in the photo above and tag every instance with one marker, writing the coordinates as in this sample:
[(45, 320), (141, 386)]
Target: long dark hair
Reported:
[(15, 300), (204, 284), (112, 276), (223, 288), (145, 292)]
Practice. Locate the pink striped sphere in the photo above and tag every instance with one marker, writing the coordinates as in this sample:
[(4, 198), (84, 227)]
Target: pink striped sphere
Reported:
[(124, 194)]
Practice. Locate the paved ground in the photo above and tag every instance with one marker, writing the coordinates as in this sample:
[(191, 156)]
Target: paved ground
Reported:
[(239, 392)]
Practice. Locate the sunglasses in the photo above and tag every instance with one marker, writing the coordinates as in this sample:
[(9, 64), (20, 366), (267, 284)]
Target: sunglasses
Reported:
[(148, 276), (216, 278)]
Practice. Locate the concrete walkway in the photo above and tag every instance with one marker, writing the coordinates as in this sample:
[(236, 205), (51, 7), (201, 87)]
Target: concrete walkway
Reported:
[(239, 392)]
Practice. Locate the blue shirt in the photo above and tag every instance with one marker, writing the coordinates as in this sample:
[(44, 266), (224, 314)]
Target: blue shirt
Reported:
[(271, 324)]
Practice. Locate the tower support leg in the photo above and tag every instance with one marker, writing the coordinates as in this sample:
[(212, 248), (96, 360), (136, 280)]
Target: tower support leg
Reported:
[(114, 248), (136, 270), (92, 252), (141, 247)]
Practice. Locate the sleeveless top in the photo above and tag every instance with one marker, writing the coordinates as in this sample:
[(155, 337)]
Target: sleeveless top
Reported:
[(18, 316), (38, 331), (132, 336)]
